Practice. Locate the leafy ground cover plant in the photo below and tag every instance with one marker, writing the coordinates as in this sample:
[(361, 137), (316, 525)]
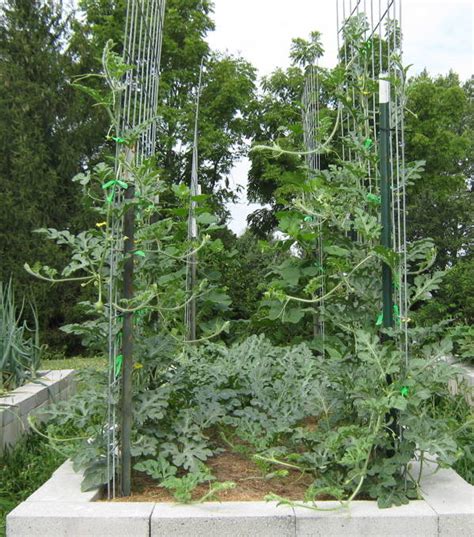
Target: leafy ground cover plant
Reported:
[(187, 407), (285, 408), (20, 349)]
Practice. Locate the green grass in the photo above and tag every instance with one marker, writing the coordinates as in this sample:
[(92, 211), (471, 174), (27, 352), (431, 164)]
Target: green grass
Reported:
[(96, 362), (23, 470), (32, 461)]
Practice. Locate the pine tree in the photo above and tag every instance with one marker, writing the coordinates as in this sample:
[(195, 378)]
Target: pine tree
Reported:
[(40, 145)]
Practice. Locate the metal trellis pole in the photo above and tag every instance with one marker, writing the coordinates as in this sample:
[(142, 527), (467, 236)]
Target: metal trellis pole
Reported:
[(386, 198), (127, 342)]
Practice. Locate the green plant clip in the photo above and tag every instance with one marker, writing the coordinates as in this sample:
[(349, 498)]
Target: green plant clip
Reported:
[(373, 198), (396, 313), (368, 143), (140, 253), (118, 140), (114, 182), (404, 391), (379, 320), (118, 365), (319, 266), (308, 219)]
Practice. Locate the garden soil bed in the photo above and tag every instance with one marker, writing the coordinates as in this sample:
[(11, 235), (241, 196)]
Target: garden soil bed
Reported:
[(249, 479)]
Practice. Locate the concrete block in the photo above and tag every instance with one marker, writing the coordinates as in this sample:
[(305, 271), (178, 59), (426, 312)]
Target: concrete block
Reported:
[(53, 391), (451, 498), (8, 414), (64, 485), (59, 509), (66, 519), (30, 399), (367, 520), (22, 400), (27, 403), (10, 434), (38, 412), (62, 377), (66, 467), (41, 395), (230, 519)]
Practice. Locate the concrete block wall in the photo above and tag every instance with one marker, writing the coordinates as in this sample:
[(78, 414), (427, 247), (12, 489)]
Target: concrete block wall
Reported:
[(32, 398), (59, 508)]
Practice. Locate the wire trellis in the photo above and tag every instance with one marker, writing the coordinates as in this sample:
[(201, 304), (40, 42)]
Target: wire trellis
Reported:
[(369, 41), (377, 54), (311, 126), (191, 261), (139, 100)]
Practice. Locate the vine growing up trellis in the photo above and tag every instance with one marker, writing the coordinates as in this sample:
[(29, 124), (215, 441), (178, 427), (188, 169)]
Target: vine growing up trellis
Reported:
[(136, 115), (369, 40)]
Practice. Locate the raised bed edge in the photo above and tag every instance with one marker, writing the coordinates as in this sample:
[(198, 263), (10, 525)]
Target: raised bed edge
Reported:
[(58, 508), (32, 398)]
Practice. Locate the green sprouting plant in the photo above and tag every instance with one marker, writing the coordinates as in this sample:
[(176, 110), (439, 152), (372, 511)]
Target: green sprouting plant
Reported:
[(20, 349), (352, 384), (183, 487), (265, 398)]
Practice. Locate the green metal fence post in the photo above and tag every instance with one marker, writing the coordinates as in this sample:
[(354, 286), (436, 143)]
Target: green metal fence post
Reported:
[(386, 195), (127, 341)]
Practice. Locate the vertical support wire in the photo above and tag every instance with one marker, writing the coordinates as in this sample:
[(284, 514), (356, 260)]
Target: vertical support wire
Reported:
[(374, 108), (143, 66), (191, 261), (397, 189), (404, 202)]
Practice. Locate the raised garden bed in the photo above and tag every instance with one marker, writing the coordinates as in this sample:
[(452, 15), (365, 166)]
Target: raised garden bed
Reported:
[(31, 398), (60, 509)]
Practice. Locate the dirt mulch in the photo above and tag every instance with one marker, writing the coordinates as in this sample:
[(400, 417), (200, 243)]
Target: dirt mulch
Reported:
[(251, 484)]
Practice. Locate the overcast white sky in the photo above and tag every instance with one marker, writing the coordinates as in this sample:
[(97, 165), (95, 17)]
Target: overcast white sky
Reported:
[(438, 35)]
